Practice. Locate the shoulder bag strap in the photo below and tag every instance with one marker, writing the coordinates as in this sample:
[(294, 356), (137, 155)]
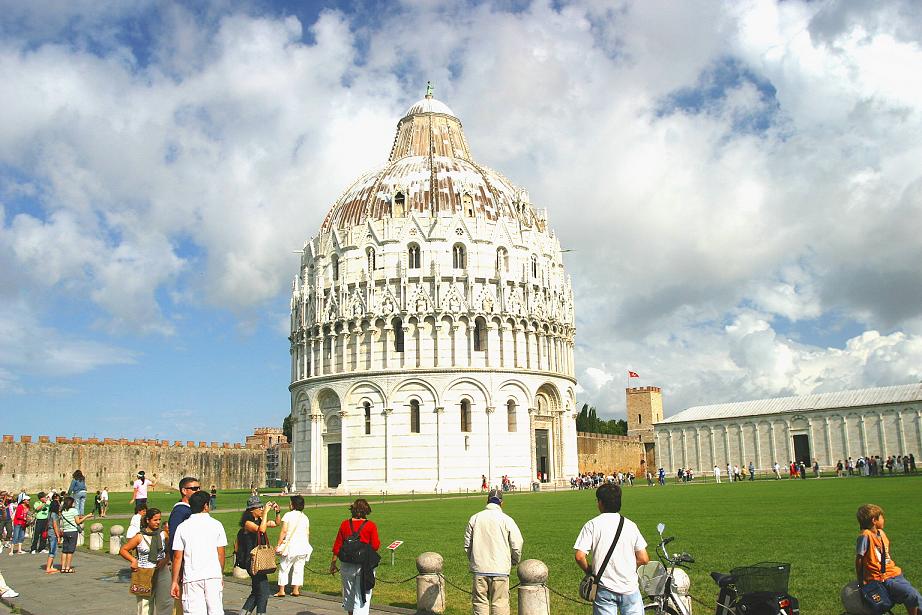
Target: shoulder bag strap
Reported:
[(611, 549), (883, 556)]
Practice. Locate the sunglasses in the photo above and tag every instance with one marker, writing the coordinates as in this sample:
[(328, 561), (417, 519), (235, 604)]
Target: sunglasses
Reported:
[(195, 488)]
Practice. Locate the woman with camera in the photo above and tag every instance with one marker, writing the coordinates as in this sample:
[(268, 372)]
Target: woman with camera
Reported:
[(253, 525)]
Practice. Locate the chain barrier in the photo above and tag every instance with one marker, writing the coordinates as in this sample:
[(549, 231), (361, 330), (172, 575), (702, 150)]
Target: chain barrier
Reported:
[(574, 600), (461, 589), (377, 578)]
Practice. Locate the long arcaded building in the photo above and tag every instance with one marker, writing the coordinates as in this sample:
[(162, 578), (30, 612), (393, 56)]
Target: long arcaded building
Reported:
[(826, 427)]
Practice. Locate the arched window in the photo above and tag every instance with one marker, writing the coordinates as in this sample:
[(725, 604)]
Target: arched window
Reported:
[(467, 204), (334, 260), (399, 205), (534, 266), (502, 260), (458, 260), (465, 415), (370, 255), (414, 416), (480, 335), (511, 423), (367, 418), (398, 334), (413, 259)]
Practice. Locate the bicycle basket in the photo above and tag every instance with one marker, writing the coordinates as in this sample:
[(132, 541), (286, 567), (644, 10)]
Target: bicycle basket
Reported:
[(762, 577), (652, 578)]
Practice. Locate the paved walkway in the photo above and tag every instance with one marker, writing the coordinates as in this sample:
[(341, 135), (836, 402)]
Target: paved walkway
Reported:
[(99, 587)]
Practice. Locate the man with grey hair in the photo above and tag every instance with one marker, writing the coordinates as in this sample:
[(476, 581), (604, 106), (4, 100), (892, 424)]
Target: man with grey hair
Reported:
[(493, 544)]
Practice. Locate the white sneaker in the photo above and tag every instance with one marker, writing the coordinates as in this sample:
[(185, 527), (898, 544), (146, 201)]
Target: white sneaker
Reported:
[(32, 552), (44, 551), (9, 593)]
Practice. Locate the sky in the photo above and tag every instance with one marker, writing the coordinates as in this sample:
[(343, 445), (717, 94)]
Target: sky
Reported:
[(740, 184)]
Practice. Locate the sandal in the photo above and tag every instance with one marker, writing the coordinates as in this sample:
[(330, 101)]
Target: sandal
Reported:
[(68, 571), (279, 595), (52, 571)]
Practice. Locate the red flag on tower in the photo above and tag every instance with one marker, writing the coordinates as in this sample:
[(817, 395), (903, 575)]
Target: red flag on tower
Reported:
[(631, 374)]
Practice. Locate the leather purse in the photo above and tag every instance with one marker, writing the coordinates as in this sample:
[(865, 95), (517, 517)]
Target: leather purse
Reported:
[(589, 586), (262, 556), (142, 582)]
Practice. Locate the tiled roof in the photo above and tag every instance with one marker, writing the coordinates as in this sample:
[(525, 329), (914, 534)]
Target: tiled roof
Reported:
[(817, 401)]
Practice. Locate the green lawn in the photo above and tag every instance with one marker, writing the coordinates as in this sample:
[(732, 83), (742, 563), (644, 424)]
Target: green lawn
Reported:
[(809, 523)]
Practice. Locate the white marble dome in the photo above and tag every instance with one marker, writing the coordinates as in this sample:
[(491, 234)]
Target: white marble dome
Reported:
[(432, 328)]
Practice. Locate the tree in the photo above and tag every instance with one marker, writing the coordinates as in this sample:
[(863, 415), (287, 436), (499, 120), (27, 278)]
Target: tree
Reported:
[(286, 427), (588, 421)]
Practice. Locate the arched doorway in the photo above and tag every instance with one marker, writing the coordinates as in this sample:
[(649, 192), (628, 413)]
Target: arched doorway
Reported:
[(546, 434), (330, 407)]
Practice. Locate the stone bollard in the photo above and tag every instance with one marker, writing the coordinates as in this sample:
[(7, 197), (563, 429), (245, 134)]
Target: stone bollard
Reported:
[(115, 539), (81, 538), (533, 594), (96, 537), (430, 586)]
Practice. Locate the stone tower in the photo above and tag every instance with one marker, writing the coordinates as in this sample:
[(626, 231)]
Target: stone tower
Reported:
[(644, 407)]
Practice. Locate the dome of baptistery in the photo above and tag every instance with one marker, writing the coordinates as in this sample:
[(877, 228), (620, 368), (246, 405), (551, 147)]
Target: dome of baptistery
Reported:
[(432, 328)]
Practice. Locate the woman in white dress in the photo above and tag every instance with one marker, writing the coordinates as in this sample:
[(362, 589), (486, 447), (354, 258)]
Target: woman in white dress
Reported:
[(294, 547)]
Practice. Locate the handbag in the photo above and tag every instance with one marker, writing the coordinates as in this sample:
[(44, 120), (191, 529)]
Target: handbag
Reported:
[(589, 586), (142, 582), (262, 556), (875, 593)]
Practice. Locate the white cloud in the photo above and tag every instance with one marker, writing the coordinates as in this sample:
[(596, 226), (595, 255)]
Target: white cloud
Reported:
[(696, 226)]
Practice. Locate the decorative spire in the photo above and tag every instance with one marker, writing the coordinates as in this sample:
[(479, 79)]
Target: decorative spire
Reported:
[(429, 89)]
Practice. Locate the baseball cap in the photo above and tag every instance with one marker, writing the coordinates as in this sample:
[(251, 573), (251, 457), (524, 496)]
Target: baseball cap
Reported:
[(254, 502), (495, 494)]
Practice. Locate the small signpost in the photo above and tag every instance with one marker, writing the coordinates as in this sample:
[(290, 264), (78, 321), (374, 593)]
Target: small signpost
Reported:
[(393, 547)]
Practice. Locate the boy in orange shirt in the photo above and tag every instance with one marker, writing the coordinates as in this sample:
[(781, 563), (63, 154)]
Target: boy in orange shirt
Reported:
[(873, 561)]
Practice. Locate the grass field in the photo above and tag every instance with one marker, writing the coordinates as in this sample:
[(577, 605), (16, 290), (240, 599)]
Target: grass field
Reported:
[(809, 523)]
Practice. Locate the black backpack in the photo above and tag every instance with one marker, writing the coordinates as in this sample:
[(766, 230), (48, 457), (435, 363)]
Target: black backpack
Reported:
[(353, 550)]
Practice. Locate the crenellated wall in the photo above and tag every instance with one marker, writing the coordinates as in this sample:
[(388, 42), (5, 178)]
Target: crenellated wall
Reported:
[(605, 453), (114, 463)]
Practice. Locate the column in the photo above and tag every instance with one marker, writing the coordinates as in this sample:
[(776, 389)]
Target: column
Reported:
[(408, 358), (671, 451), (293, 351), (697, 467), (712, 447), (918, 431), (726, 445), (490, 411), (294, 450), (387, 447), (771, 442), (385, 342), (316, 452), (862, 433), (436, 347), (344, 449), (439, 411), (811, 439), (787, 436), (846, 446), (757, 435), (308, 349), (900, 432), (470, 345), (826, 434), (742, 448), (531, 441), (343, 338), (882, 434), (684, 449)]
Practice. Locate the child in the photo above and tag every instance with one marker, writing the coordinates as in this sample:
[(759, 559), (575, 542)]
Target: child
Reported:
[(873, 560)]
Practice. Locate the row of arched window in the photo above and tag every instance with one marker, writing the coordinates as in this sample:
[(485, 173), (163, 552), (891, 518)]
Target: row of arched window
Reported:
[(458, 259), (464, 411), (480, 336)]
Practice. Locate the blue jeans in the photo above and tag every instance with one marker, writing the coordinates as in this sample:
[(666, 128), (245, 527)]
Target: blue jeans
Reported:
[(902, 592), (80, 501), (52, 543), (19, 534), (608, 602)]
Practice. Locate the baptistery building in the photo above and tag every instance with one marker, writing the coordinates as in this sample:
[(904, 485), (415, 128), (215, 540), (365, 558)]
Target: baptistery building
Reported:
[(432, 328)]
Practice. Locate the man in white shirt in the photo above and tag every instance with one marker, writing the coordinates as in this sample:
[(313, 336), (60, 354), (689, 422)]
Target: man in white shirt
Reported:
[(618, 592), (716, 474), (493, 544), (198, 555)]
